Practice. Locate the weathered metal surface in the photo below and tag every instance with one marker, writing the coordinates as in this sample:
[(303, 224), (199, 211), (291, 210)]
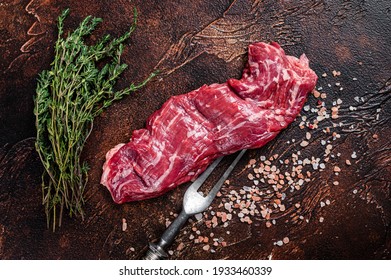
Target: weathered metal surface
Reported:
[(202, 42)]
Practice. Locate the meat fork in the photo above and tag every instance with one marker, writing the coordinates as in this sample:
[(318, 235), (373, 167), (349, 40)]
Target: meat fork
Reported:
[(193, 203)]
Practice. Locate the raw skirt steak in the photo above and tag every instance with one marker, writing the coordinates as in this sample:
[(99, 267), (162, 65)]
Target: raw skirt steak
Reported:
[(191, 130)]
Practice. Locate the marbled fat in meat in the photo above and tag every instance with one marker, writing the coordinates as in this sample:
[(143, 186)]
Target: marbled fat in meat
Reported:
[(191, 130)]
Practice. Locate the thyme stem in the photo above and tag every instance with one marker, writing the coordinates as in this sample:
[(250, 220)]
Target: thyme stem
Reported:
[(68, 98)]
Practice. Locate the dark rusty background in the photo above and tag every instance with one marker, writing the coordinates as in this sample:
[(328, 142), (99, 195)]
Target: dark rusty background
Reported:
[(195, 43)]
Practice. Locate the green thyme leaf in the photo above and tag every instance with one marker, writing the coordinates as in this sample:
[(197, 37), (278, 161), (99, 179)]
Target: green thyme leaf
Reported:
[(68, 98)]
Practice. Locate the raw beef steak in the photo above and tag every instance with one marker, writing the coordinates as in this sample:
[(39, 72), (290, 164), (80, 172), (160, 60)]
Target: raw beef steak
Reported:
[(191, 130)]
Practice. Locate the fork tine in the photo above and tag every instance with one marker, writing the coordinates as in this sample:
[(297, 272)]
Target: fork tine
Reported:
[(201, 179), (193, 202), (211, 195)]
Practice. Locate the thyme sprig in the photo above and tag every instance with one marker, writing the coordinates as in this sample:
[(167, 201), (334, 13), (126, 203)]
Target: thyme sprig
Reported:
[(68, 97)]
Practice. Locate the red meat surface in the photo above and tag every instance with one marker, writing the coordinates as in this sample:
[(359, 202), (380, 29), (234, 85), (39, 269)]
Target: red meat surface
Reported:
[(191, 130)]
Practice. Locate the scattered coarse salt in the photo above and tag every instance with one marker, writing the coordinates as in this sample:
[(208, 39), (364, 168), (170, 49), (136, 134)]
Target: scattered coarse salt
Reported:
[(206, 247), (267, 168), (355, 191), (304, 143), (348, 162), (198, 216), (354, 155), (124, 224), (168, 223), (214, 221), (247, 220), (181, 246), (280, 175), (336, 73), (334, 113), (324, 75), (321, 219), (200, 239)]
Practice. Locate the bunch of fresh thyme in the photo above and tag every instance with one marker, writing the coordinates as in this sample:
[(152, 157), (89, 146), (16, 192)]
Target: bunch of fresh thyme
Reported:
[(68, 98)]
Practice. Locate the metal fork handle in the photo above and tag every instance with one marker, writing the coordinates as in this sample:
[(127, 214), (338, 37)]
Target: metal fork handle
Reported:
[(157, 251)]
